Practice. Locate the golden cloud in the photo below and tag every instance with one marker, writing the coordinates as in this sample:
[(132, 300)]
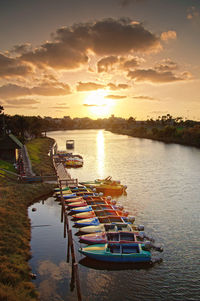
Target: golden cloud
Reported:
[(168, 35), (89, 86), (11, 67), (155, 76), (107, 37), (115, 96)]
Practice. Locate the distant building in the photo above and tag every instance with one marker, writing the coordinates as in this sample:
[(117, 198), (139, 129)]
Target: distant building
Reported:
[(9, 148)]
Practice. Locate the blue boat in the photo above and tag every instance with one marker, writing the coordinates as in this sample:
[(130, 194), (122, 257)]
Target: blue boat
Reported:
[(81, 209), (117, 252), (101, 220)]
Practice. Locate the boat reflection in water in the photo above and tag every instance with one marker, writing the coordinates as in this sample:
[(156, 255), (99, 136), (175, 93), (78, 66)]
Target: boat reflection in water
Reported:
[(110, 266)]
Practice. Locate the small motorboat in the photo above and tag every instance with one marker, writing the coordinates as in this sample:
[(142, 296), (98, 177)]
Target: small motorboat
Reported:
[(101, 220), (117, 252), (106, 211), (112, 228), (86, 202), (106, 237), (77, 194), (70, 144), (106, 186)]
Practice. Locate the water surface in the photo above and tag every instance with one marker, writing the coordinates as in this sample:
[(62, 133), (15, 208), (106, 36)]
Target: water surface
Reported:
[(163, 194)]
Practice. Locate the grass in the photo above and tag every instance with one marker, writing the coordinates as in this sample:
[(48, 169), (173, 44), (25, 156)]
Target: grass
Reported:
[(15, 279), (38, 150), (6, 165)]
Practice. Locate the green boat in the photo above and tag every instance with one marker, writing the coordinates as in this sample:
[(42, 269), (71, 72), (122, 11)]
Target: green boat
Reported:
[(117, 252)]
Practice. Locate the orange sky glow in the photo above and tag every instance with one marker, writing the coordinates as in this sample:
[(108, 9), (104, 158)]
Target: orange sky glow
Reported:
[(92, 59)]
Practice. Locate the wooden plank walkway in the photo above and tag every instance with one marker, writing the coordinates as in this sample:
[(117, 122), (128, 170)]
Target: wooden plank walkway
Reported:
[(61, 171), (64, 177)]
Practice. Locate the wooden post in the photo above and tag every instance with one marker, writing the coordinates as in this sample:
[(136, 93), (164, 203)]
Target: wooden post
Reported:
[(71, 245), (64, 225), (78, 287), (61, 212), (72, 282)]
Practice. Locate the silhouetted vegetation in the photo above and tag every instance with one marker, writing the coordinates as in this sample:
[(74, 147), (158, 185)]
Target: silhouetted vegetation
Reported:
[(164, 128)]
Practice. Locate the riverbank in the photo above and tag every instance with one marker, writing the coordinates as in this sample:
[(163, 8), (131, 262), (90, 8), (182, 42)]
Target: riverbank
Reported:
[(15, 198), (168, 134)]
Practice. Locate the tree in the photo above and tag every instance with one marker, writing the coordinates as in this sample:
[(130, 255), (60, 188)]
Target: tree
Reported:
[(1, 109)]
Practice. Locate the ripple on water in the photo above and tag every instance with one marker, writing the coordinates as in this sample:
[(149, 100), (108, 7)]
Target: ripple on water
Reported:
[(163, 193)]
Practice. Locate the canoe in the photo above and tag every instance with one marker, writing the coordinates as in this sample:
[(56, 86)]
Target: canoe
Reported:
[(107, 237), (101, 220), (97, 210), (99, 213), (90, 202), (63, 189), (94, 208), (111, 228), (83, 194), (116, 252)]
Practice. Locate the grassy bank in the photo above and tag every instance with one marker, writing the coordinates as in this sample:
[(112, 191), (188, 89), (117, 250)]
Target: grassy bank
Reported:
[(167, 134), (15, 280), (38, 150)]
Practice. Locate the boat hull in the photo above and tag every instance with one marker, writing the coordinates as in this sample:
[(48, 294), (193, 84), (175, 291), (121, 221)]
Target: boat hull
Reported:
[(127, 253)]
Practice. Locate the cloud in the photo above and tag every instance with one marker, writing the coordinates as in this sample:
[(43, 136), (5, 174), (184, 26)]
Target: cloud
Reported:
[(44, 89), (115, 96), (89, 86), (193, 13), (167, 35), (110, 63), (132, 63), (10, 67), (105, 64), (11, 90), (21, 107), (70, 45), (93, 105), (155, 76), (22, 101), (166, 65), (21, 48), (117, 87), (144, 97), (116, 37), (49, 89), (60, 107)]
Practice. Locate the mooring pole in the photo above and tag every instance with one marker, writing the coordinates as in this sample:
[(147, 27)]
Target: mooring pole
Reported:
[(78, 287)]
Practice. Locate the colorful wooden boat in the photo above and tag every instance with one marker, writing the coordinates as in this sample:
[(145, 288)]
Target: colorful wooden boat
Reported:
[(116, 252), (106, 185), (112, 228), (86, 202), (98, 213), (101, 220), (77, 194), (92, 208), (106, 237)]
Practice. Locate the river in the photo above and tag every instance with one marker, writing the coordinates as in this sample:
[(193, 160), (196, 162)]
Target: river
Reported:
[(163, 193)]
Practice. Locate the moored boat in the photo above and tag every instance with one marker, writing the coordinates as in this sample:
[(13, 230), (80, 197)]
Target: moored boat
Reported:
[(105, 237), (90, 202), (106, 211), (112, 228), (116, 252), (102, 220)]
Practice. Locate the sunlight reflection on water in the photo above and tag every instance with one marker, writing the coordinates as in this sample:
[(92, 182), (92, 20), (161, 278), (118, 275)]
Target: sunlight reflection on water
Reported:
[(163, 193)]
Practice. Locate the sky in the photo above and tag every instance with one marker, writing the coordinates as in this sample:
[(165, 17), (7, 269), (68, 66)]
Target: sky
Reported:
[(91, 58)]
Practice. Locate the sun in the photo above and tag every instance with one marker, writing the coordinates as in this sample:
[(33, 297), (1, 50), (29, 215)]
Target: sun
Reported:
[(97, 104)]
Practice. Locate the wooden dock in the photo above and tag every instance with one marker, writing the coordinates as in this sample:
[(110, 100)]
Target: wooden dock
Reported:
[(64, 177)]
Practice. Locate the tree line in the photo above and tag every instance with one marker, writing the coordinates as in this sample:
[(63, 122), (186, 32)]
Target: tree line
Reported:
[(165, 128)]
